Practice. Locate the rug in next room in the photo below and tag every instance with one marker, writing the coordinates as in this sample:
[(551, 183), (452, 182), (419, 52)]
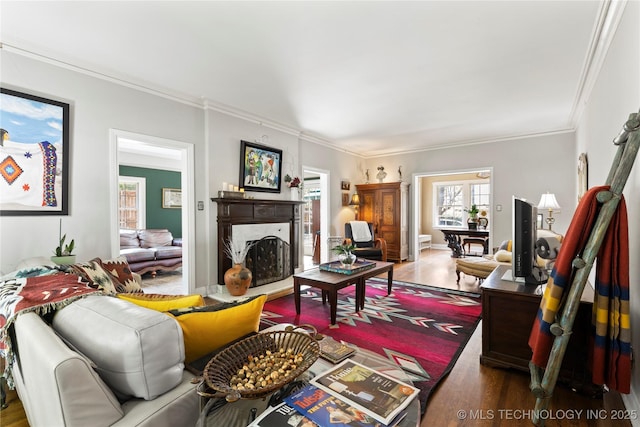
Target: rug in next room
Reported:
[(420, 328)]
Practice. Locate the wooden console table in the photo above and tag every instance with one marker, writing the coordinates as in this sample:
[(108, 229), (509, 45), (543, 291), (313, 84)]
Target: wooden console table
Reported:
[(508, 311)]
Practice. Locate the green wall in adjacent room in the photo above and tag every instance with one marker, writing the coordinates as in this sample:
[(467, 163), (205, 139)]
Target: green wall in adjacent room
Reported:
[(157, 179)]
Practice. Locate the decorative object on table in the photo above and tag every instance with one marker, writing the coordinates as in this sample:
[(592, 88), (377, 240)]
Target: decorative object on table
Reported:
[(335, 351), (357, 266), (64, 252), (453, 317), (238, 278), (295, 185), (260, 167), (345, 256), (223, 367), (366, 176), (548, 201), (583, 175), (34, 156), (171, 198), (381, 175), (472, 221), (400, 173), (355, 202)]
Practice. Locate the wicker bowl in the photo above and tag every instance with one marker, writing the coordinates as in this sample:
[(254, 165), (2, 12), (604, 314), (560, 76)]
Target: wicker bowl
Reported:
[(223, 366)]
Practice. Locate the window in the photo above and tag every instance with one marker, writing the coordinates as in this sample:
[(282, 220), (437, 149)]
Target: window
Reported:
[(132, 201), (452, 198)]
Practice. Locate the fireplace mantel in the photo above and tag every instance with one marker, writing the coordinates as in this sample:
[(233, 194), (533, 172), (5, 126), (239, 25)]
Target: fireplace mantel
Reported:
[(256, 211)]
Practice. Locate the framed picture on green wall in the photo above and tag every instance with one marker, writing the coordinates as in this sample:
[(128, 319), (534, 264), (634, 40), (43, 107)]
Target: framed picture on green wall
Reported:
[(171, 198)]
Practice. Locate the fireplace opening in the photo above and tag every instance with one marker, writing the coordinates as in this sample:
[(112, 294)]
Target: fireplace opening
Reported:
[(269, 260)]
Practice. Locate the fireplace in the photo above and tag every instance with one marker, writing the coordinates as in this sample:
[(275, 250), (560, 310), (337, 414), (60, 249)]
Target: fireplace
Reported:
[(269, 260), (274, 225)]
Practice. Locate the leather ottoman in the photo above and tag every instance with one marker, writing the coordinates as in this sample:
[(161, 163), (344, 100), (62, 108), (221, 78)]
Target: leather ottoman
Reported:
[(479, 267)]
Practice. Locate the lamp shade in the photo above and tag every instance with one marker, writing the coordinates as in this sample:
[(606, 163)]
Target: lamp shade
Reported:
[(548, 201), (355, 200)]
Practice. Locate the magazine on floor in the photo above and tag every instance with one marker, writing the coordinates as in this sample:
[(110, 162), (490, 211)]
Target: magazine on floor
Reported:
[(327, 410), (374, 393), (282, 415)]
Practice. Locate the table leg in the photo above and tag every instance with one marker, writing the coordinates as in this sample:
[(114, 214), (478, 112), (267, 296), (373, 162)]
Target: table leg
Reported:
[(389, 280), (333, 304), (359, 294), (296, 293)]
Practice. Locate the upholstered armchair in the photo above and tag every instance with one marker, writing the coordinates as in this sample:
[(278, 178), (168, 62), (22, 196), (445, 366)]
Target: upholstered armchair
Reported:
[(373, 249)]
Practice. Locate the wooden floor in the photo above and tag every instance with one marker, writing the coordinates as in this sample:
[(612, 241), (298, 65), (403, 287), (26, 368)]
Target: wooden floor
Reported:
[(472, 394)]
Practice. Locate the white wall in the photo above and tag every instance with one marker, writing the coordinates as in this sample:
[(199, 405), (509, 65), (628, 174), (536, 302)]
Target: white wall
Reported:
[(616, 95), (524, 168), (96, 106), (343, 167)]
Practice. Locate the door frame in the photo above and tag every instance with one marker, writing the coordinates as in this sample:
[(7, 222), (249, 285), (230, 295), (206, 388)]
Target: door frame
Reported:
[(325, 196), (414, 248), (188, 195)]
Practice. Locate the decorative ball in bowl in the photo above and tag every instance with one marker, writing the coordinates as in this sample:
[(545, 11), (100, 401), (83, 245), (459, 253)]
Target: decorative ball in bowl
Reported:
[(261, 364)]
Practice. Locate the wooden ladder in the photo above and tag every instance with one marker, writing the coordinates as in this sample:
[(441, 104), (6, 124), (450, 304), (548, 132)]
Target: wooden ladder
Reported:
[(543, 381)]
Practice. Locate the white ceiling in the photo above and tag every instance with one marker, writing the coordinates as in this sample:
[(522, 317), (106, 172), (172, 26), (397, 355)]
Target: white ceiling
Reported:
[(372, 78)]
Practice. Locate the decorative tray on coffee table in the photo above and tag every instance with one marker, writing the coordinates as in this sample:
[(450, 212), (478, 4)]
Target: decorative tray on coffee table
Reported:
[(356, 267)]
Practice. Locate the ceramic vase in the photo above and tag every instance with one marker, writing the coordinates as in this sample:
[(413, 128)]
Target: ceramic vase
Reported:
[(237, 279), (295, 193)]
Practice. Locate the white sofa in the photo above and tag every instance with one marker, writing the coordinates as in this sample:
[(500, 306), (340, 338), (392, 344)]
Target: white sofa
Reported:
[(61, 386)]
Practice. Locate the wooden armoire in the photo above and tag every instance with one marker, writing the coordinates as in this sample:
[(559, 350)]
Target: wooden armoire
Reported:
[(386, 206)]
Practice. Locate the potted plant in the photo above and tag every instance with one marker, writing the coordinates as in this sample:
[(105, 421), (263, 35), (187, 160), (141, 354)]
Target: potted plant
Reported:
[(344, 254), (238, 278), (473, 217), (64, 252)]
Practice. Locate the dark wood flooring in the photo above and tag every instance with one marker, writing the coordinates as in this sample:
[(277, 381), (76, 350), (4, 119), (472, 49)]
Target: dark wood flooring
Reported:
[(472, 394)]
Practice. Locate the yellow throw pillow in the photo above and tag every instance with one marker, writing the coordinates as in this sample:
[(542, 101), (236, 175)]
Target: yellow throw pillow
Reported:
[(206, 329), (160, 302)]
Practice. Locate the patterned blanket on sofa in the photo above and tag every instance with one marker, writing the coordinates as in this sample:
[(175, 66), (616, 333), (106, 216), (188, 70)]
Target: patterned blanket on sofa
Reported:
[(40, 294)]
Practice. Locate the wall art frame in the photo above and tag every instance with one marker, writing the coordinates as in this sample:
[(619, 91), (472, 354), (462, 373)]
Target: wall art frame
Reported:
[(171, 198), (260, 167), (34, 155), (345, 185)]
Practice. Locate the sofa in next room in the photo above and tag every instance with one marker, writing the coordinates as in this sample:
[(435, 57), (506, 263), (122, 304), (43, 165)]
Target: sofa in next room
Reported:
[(151, 250)]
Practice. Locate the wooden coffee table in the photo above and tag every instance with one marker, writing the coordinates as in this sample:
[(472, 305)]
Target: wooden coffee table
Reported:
[(330, 283)]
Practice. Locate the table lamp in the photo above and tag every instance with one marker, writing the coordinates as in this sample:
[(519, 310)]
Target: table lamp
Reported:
[(355, 202), (548, 201)]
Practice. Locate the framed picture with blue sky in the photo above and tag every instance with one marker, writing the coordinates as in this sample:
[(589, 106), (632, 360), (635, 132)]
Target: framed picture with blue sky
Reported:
[(34, 155)]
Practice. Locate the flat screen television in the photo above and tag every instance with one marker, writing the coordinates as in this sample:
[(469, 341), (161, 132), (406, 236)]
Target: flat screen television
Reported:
[(524, 233)]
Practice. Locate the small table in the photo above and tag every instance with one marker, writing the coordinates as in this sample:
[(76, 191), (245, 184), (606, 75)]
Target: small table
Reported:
[(330, 283)]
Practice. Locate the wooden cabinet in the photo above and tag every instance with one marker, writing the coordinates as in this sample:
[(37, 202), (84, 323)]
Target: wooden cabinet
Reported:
[(386, 206), (508, 311)]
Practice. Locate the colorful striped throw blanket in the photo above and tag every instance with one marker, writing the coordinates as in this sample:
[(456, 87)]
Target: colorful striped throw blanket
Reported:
[(611, 352)]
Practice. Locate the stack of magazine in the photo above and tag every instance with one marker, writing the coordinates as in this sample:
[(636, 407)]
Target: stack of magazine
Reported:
[(346, 395)]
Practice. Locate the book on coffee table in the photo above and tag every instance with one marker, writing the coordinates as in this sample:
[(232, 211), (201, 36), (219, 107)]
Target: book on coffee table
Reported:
[(358, 266), (374, 393), (334, 351)]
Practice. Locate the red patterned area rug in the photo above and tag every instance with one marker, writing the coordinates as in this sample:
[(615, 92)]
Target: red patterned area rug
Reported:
[(420, 328)]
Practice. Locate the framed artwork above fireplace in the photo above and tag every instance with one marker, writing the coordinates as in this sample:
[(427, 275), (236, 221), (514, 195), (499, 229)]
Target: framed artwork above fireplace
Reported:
[(260, 167)]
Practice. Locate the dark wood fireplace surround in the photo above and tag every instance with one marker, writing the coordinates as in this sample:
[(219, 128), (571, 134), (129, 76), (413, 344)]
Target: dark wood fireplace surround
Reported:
[(253, 211)]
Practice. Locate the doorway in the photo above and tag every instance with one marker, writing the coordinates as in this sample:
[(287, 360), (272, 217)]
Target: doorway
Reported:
[(146, 151), (315, 216), (475, 186)]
